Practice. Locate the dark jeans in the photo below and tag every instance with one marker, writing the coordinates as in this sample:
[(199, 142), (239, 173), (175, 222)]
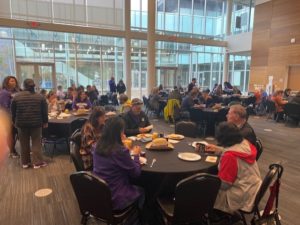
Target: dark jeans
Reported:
[(33, 134), (14, 135)]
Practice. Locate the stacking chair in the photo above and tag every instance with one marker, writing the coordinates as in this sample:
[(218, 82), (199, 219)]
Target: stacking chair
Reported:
[(194, 199), (292, 111), (275, 171), (52, 140), (75, 142), (77, 124), (188, 129), (271, 108), (94, 199), (259, 148)]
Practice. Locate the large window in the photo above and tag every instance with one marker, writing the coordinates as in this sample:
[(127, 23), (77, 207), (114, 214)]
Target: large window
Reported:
[(239, 67), (77, 58), (92, 13), (185, 61), (242, 16)]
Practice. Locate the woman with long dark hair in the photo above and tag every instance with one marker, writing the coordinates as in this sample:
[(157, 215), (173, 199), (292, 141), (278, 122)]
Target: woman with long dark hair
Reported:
[(113, 163), (90, 134), (10, 87)]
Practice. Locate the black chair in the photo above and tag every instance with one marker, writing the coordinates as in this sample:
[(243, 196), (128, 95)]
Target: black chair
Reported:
[(49, 139), (292, 111), (200, 118), (194, 197), (188, 129), (77, 124), (104, 100), (75, 143), (275, 170), (94, 199), (259, 148), (270, 108)]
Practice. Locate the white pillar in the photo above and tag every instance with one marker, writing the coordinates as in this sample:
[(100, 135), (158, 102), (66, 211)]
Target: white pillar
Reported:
[(127, 49), (151, 76), (228, 32)]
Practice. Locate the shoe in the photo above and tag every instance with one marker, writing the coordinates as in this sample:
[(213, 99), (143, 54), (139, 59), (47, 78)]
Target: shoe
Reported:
[(14, 155), (25, 166), (39, 165)]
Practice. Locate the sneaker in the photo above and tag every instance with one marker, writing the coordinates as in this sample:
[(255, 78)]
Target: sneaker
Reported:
[(25, 166), (14, 155), (39, 165)]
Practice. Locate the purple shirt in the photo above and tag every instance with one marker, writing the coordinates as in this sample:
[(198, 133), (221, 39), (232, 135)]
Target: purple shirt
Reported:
[(5, 99), (86, 101), (117, 169)]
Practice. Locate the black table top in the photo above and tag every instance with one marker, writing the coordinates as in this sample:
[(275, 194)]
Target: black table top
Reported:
[(67, 120), (167, 161)]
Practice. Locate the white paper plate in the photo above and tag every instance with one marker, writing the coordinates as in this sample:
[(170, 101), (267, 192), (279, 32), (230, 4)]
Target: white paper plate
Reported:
[(143, 160), (189, 156), (202, 142)]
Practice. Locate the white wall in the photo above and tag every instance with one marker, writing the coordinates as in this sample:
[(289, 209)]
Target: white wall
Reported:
[(239, 43), (258, 2)]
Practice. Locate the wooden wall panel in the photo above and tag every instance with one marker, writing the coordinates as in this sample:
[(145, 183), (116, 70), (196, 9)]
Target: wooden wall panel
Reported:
[(275, 24), (294, 77)]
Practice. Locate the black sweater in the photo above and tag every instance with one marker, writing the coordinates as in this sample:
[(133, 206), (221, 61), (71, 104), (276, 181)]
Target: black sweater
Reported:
[(133, 123)]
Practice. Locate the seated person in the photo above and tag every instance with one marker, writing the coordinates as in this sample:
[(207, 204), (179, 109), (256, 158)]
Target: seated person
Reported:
[(228, 89), (236, 91), (81, 99), (52, 102), (155, 101), (279, 103), (218, 91), (90, 134), (113, 163), (206, 98), (188, 101), (175, 94), (136, 120), (238, 170), (125, 103), (286, 93)]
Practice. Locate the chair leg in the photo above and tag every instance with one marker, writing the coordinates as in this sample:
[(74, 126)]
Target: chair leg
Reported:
[(84, 219)]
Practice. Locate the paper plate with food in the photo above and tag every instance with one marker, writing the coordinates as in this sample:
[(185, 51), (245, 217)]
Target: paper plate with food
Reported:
[(159, 144), (189, 156), (175, 136)]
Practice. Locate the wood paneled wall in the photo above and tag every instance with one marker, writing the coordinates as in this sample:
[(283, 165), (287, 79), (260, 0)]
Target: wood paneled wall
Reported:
[(275, 24)]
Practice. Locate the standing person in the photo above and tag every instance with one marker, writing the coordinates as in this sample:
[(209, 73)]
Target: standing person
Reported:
[(10, 87), (192, 84), (113, 163), (30, 114), (112, 85), (121, 88)]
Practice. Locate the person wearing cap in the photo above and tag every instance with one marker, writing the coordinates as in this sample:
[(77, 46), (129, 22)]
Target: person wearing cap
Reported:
[(136, 120), (30, 114)]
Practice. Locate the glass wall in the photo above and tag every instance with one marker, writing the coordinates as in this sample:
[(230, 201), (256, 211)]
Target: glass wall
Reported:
[(239, 68), (92, 13), (186, 61), (192, 18), (77, 58), (242, 16), (139, 15)]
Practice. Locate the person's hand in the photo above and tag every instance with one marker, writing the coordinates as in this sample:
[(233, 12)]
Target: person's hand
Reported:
[(45, 125), (143, 130), (213, 148), (136, 150), (123, 136)]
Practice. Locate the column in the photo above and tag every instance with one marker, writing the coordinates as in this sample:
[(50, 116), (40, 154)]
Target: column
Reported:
[(151, 76), (228, 32), (127, 49)]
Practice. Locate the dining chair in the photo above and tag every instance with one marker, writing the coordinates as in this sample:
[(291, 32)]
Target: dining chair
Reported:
[(259, 148), (52, 140), (194, 199), (75, 143), (77, 124), (275, 171), (188, 129), (94, 199)]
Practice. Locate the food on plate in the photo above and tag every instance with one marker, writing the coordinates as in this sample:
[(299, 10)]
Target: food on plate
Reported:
[(175, 136), (144, 135), (81, 111), (159, 142), (154, 135)]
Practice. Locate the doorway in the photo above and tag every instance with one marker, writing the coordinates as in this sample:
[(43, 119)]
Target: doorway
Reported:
[(43, 74), (294, 78), (166, 76)]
